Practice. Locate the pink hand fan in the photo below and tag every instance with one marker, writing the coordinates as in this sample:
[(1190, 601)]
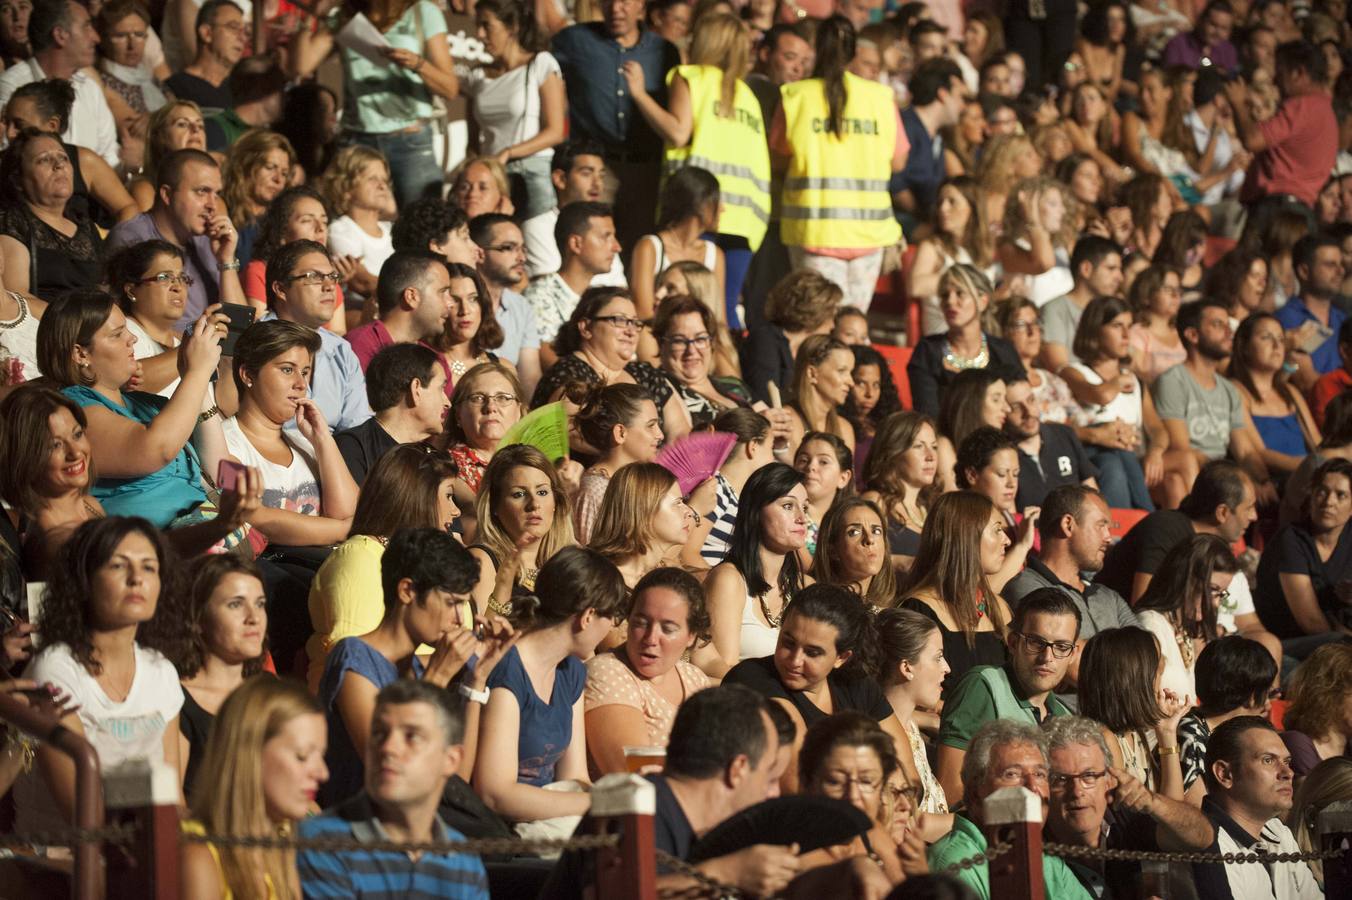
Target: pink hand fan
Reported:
[(696, 457)]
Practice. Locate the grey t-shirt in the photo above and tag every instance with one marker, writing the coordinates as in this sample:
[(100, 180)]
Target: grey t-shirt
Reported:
[(1211, 415), (1060, 318)]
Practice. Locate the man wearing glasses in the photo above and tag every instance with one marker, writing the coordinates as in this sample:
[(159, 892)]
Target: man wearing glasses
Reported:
[(302, 288), (1094, 804), (1042, 645), (503, 268)]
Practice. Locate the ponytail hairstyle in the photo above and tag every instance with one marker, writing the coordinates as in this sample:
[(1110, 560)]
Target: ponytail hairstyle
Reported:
[(813, 353), (574, 580), (902, 635), (603, 406), (835, 49), (517, 18), (845, 611)]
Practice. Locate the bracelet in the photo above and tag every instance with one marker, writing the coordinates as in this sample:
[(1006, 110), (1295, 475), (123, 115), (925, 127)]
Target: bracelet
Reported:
[(1168, 751), (214, 411), (232, 266), (472, 695)]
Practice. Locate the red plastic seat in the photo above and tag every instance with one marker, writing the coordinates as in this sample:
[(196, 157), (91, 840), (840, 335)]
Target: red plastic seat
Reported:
[(1124, 520), (897, 359)]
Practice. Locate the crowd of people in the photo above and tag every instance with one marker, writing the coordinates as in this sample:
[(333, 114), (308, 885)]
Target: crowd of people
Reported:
[(399, 435)]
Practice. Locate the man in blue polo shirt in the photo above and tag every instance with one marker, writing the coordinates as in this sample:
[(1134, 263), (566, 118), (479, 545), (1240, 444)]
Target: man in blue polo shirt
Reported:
[(417, 734), (937, 95), (1318, 261)]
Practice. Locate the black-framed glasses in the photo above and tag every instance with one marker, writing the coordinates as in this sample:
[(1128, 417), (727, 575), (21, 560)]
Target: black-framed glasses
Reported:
[(1087, 779), (624, 323), (499, 400), (838, 781), (164, 279), (1035, 645), (312, 277), (681, 344)]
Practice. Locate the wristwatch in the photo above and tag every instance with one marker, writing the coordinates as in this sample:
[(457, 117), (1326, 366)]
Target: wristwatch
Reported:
[(233, 265), (472, 695)]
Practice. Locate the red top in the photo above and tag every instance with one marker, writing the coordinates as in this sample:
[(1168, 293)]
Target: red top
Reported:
[(1302, 144), (369, 339), (1329, 385)]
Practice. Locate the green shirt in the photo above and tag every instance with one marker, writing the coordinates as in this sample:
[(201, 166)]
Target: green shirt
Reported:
[(381, 98), (986, 693), (966, 840)]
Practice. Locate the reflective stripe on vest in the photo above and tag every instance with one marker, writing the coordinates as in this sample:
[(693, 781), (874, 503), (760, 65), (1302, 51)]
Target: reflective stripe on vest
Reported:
[(733, 149), (836, 189)]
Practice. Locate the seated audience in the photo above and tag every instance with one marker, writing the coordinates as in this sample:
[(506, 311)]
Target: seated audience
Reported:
[(257, 169), (533, 732), (296, 214), (221, 36), (1120, 687), (687, 336), (821, 384), (1095, 804), (1020, 325), (1337, 444), (911, 671), (408, 487), (578, 174), (633, 692), (689, 208), (749, 590), (822, 663), (988, 464), (620, 422), (596, 346), (801, 304), (413, 303), (416, 744), (964, 294), (851, 327), (98, 624), (693, 280), (1041, 644), (302, 285), (1328, 783), (961, 237), (479, 185), (1248, 790), (1282, 420), (486, 402), (222, 643), (178, 125), (1036, 235), (266, 759), (962, 546), (1155, 297), (1181, 604), (1317, 724), (523, 518), (1050, 455), (851, 552), (1313, 316), (1303, 573), (873, 395), (585, 236), (1235, 677), (425, 579), (1096, 264), (974, 399), (827, 465), (45, 252), (471, 332), (1335, 382), (357, 185), (642, 521), (1201, 409), (256, 87), (1003, 754), (188, 212), (717, 500), (900, 473), (406, 386), (503, 268)]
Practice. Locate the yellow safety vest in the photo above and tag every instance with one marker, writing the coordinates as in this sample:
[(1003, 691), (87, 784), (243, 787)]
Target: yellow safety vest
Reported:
[(835, 190), (735, 149)]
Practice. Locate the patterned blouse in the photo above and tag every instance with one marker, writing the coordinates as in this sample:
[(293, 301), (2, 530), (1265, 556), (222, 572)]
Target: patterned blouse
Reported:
[(470, 465), (934, 800), (572, 368), (1193, 735)]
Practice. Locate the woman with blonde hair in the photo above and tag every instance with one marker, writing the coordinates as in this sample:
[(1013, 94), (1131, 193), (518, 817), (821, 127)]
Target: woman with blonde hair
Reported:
[(487, 401), (1328, 783), (266, 759), (901, 472), (479, 185), (524, 517), (1005, 160), (822, 378), (961, 235), (1035, 240), (257, 169), (178, 125), (357, 187), (713, 121), (643, 521)]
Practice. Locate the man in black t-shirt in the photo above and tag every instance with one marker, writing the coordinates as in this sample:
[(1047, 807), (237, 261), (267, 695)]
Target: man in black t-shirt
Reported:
[(1050, 455), (406, 387)]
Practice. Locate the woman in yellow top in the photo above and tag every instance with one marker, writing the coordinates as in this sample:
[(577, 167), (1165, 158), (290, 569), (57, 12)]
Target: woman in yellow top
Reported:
[(838, 139), (411, 486), (266, 756), (714, 122)]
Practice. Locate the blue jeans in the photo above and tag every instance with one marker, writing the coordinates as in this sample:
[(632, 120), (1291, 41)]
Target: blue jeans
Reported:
[(1121, 479), (532, 190), (736, 260), (414, 172)]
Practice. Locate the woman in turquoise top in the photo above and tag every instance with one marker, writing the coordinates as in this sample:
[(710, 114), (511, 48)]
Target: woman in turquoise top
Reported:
[(388, 105), (145, 464), (1281, 418)]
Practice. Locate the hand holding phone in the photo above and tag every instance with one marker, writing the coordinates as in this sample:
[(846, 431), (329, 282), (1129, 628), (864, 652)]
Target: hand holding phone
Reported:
[(241, 317), (227, 475)]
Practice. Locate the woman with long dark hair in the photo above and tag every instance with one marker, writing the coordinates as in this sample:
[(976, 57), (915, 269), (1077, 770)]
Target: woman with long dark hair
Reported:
[(749, 590), (689, 209), (873, 397), (901, 473), (1285, 429), (819, 145), (852, 552)]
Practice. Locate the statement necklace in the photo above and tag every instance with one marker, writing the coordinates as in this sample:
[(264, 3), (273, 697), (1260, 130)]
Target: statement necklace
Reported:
[(962, 363)]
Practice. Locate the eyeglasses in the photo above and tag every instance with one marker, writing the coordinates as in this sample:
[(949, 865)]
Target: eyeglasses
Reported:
[(680, 344), (164, 279), (507, 248), (867, 784), (1035, 645), (1088, 780), (481, 399), (313, 277), (624, 323), (1029, 327)]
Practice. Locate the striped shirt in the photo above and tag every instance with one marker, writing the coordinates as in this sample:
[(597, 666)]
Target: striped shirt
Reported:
[(723, 518), (381, 874)]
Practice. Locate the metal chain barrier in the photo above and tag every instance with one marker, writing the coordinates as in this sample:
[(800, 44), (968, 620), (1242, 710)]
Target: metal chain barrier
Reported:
[(1069, 850), (119, 835), (475, 846), (706, 886), (979, 859)]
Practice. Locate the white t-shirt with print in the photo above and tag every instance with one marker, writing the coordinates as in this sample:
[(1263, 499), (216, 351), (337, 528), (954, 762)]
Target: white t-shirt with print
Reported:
[(293, 487), (120, 732)]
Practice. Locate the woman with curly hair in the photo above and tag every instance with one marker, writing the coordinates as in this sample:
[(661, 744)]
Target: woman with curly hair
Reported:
[(357, 185), (800, 305), (1037, 237), (266, 757), (1318, 722), (1006, 159), (257, 169), (98, 623), (297, 214), (901, 474), (222, 642), (873, 397), (1240, 277)]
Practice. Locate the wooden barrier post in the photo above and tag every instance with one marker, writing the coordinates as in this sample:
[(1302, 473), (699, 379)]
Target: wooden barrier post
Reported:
[(623, 804), (147, 797), (1335, 833), (1013, 816)]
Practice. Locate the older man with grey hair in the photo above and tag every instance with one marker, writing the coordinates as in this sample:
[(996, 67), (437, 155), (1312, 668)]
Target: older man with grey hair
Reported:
[(1003, 753), (1095, 804)]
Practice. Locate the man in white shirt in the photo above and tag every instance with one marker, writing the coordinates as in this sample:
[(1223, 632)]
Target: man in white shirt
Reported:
[(579, 174), (585, 235), (1249, 787), (63, 40)]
